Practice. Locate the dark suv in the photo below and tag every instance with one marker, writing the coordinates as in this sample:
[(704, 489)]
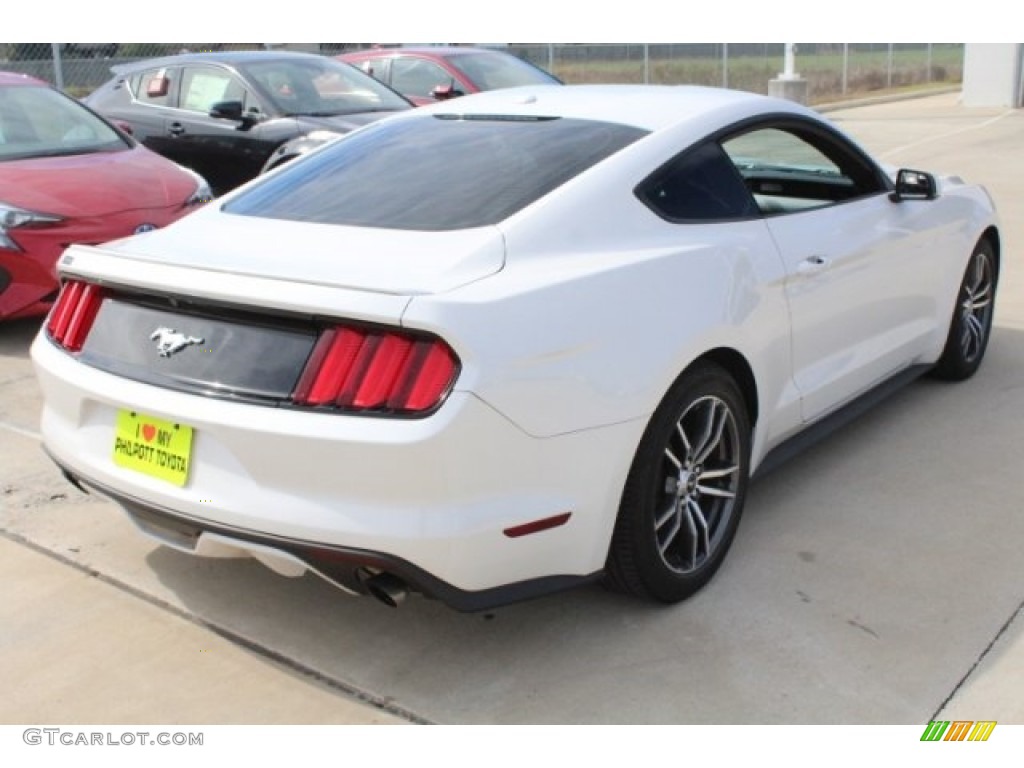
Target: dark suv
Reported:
[(230, 116)]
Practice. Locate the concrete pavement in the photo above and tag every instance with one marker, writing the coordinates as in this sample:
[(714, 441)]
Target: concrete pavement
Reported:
[(78, 648)]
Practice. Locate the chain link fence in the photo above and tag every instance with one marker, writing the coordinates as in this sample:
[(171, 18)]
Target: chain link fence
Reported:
[(80, 68), (834, 70)]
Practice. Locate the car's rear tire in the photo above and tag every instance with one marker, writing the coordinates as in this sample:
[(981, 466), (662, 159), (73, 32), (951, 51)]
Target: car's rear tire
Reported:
[(971, 325), (684, 493)]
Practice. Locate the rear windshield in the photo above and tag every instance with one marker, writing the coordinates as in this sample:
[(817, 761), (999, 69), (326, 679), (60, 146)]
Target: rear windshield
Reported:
[(435, 173)]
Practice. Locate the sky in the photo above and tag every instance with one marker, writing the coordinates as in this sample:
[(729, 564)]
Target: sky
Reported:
[(524, 21)]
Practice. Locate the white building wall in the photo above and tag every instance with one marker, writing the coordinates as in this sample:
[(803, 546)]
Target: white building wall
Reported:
[(992, 75)]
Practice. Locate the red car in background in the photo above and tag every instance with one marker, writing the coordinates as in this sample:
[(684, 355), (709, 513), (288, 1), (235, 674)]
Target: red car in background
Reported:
[(431, 73), (68, 176)]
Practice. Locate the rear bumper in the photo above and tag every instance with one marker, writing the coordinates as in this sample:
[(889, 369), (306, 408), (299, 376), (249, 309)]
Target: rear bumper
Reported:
[(428, 500), (344, 567)]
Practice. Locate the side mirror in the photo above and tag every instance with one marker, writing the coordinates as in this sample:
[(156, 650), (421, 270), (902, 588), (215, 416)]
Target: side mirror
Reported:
[(443, 92), (913, 185), (227, 110)]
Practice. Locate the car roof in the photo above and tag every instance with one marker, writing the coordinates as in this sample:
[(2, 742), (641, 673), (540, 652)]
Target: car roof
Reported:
[(650, 107), (230, 58), (428, 50), (18, 78)]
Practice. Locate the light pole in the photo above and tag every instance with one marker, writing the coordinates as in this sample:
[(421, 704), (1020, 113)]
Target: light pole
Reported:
[(789, 85), (789, 63)]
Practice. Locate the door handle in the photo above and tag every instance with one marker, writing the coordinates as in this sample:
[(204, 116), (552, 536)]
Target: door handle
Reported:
[(812, 265), (176, 129)]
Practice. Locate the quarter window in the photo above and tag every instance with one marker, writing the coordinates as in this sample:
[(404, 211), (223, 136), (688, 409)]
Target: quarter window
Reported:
[(699, 185), (154, 86)]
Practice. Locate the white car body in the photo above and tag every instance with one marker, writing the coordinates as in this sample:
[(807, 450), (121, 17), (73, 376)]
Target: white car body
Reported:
[(570, 319)]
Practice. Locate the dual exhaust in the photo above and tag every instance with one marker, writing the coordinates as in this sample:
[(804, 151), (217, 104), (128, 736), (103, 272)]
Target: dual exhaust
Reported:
[(387, 588)]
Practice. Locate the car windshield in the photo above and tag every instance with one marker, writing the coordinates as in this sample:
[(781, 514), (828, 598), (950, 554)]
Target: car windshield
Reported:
[(490, 71), (435, 173), (320, 87), (36, 121)]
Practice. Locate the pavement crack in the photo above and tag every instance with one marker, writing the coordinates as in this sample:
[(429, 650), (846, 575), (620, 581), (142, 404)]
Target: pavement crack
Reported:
[(383, 704), (20, 430), (863, 628), (963, 680)]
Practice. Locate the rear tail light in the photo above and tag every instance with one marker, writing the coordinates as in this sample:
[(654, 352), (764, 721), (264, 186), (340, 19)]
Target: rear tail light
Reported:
[(358, 369), (351, 368), (72, 316)]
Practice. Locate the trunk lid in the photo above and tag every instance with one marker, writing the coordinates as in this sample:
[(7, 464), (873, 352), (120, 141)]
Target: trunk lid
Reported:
[(383, 261)]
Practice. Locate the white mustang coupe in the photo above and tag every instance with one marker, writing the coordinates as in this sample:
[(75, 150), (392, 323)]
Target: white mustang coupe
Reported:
[(510, 343)]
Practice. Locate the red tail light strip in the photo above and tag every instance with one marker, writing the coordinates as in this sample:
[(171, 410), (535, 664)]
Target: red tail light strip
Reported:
[(432, 378), (379, 382), (328, 366), (367, 370), (60, 315), (72, 316)]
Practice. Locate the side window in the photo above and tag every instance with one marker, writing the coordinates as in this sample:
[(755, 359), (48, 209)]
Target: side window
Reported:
[(154, 86), (372, 67), (202, 87), (699, 185), (417, 77), (788, 169), (134, 83)]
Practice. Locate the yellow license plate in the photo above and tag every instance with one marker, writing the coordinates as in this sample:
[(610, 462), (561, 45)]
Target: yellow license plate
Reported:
[(152, 446)]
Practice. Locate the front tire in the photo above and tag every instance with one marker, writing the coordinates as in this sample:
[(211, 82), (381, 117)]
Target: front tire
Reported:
[(684, 493), (971, 325)]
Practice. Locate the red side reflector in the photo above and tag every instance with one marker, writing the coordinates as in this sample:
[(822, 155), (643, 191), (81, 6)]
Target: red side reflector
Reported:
[(537, 525)]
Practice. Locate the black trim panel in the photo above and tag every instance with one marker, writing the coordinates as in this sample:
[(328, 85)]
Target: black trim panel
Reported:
[(819, 430), (217, 355)]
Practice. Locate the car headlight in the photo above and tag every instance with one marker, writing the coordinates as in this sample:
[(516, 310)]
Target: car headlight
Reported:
[(202, 193), (12, 218)]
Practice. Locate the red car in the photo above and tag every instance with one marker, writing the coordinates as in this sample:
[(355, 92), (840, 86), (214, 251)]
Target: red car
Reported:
[(430, 73), (68, 176)]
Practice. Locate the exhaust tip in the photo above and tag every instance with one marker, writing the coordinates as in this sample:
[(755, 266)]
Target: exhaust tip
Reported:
[(387, 588), (74, 481)]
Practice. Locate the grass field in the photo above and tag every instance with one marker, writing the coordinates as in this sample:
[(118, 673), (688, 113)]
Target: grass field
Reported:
[(867, 71)]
